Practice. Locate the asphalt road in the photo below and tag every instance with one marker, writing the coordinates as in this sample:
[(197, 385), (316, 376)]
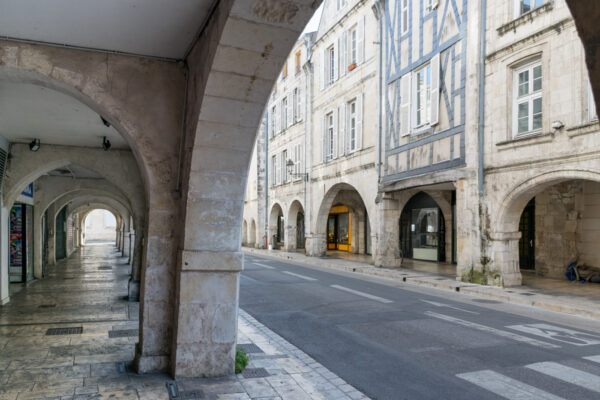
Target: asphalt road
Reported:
[(396, 341)]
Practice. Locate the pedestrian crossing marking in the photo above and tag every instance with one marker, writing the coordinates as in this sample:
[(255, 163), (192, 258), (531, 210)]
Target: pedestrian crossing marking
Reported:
[(506, 387), (595, 359), (367, 295), (263, 265), (558, 333), (498, 332), (568, 374)]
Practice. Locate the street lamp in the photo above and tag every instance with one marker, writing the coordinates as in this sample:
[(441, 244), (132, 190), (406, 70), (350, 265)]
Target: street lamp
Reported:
[(290, 165)]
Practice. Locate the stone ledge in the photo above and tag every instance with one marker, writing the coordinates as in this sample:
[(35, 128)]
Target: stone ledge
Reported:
[(526, 140), (200, 260), (523, 19), (592, 127)]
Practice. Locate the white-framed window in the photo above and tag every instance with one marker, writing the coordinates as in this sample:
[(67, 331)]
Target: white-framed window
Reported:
[(284, 113), (352, 126), (330, 137), (404, 16), (284, 174), (330, 65), (524, 6), (273, 170), (527, 95), (340, 4), (295, 105), (422, 96), (591, 103), (353, 46), (298, 156), (273, 118)]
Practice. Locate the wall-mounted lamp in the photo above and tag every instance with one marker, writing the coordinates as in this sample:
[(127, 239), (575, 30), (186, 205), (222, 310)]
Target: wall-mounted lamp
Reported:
[(34, 145), (105, 122), (105, 144), (290, 165)]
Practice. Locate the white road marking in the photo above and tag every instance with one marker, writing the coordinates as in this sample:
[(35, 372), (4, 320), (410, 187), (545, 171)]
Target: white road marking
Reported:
[(498, 332), (506, 387), (595, 359), (435, 303), (558, 333), (568, 374), (308, 278), (263, 265), (367, 295)]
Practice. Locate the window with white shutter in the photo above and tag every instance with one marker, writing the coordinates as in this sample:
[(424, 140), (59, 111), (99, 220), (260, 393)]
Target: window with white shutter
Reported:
[(299, 105), (342, 130), (360, 41), (359, 121), (334, 62), (284, 174), (324, 141), (329, 136), (324, 69), (405, 97), (591, 103), (273, 123), (334, 143), (273, 170), (284, 114), (340, 61), (435, 89), (290, 112), (404, 16), (352, 126), (278, 169)]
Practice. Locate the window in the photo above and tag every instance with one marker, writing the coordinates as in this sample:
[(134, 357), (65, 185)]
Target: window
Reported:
[(298, 56), (528, 99), (592, 114), (330, 137), (430, 5), (353, 48), (273, 116), (298, 161), (284, 112), (423, 96), (524, 6), (295, 105), (284, 73), (273, 170), (340, 4), (331, 65), (404, 16), (352, 141), (284, 175)]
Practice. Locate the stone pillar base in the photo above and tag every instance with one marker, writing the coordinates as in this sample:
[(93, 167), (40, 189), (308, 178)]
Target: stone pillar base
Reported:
[(148, 364), (387, 261), (134, 290)]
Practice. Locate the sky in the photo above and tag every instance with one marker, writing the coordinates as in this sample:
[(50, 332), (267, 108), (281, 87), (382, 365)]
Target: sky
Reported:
[(313, 24)]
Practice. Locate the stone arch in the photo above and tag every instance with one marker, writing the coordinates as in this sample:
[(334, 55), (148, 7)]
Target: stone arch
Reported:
[(84, 211), (252, 234), (244, 232), (291, 234), (354, 200), (274, 215), (504, 234)]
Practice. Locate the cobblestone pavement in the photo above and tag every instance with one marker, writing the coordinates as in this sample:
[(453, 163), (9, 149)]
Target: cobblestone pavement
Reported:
[(88, 291)]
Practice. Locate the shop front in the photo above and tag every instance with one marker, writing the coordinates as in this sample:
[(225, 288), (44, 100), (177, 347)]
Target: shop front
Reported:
[(339, 225), (422, 229)]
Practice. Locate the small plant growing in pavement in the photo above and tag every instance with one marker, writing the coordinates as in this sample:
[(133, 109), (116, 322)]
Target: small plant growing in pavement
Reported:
[(241, 360)]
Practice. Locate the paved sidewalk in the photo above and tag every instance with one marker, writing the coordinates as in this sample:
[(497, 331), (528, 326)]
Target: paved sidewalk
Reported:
[(87, 292), (548, 294)]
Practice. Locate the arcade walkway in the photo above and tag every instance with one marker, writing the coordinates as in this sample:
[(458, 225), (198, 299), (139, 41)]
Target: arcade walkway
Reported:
[(88, 291)]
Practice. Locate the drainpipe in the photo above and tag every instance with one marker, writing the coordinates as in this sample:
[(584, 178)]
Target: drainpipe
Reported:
[(267, 177), (482, 94)]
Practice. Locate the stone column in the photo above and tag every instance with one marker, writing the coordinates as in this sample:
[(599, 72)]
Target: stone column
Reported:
[(387, 250), (207, 300), (316, 245), (37, 243), (505, 258), (126, 244), (131, 245), (51, 223), (290, 238)]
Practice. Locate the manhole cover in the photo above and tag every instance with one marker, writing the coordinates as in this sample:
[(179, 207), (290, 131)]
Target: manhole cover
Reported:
[(527, 294), (176, 394), (105, 267), (123, 333), (77, 330), (47, 305), (255, 373), (487, 301), (250, 348)]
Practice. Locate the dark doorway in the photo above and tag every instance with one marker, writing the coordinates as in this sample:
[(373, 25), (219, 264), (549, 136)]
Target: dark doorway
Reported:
[(61, 234), (422, 229), (527, 241), (44, 243), (280, 229), (300, 230), (339, 236)]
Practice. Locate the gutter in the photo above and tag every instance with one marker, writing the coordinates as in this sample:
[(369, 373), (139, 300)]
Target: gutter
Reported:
[(482, 96)]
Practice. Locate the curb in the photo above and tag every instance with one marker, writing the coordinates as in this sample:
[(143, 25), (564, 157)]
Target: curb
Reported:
[(517, 295)]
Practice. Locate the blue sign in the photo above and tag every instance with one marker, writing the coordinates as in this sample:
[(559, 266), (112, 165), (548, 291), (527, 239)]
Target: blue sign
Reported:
[(28, 191)]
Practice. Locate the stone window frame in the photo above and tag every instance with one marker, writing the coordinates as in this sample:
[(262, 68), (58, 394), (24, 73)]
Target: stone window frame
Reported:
[(517, 7), (529, 66), (517, 20), (330, 136), (350, 116)]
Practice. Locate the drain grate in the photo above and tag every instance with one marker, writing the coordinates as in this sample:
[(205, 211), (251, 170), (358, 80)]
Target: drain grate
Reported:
[(105, 267), (67, 278), (47, 306), (176, 394), (250, 348), (527, 294), (255, 373), (77, 330), (123, 333), (487, 301)]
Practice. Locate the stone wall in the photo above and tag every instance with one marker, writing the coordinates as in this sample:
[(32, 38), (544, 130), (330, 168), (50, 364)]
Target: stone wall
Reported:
[(588, 230)]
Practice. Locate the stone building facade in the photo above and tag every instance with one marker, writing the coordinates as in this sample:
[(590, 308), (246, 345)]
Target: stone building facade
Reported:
[(493, 175)]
